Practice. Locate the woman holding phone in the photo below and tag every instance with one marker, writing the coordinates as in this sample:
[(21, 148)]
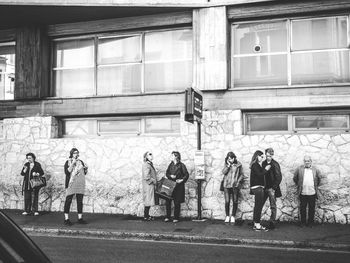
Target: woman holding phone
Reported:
[(75, 171)]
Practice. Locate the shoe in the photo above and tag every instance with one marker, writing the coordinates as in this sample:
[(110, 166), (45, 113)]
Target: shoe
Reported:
[(67, 222), (260, 228), (25, 213), (36, 213), (227, 219), (82, 221), (175, 220), (166, 220), (232, 220)]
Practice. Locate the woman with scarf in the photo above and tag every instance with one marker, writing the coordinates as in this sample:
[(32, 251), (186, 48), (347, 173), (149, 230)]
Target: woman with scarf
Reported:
[(75, 171), (149, 181)]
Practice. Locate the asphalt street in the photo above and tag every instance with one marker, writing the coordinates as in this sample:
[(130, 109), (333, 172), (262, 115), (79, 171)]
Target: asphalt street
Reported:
[(88, 250)]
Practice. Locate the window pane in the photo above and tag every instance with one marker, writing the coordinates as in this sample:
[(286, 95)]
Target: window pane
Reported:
[(154, 125), (267, 123), (7, 72), (119, 50), (127, 126), (271, 37), (321, 122), (119, 79), (320, 67), (168, 76), (74, 53), (260, 70), (169, 45), (74, 82), (319, 33), (79, 127)]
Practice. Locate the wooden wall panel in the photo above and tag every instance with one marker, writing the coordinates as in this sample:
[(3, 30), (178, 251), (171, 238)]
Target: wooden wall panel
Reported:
[(210, 48), (32, 66), (7, 35)]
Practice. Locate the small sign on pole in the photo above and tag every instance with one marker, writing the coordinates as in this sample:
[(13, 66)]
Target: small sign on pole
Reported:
[(199, 164), (193, 105)]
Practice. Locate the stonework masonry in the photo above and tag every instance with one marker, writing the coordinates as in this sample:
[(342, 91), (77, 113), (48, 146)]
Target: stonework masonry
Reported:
[(114, 178)]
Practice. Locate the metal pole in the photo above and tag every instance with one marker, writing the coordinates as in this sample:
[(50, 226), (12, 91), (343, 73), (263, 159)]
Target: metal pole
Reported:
[(199, 182)]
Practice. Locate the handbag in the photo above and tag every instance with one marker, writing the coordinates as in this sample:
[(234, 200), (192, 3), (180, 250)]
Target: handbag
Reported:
[(37, 182), (165, 188), (222, 185)]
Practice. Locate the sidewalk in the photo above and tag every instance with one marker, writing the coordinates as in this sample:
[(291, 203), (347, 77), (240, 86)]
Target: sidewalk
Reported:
[(325, 236)]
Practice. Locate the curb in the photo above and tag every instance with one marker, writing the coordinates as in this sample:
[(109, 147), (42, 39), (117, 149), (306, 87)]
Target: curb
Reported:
[(184, 238)]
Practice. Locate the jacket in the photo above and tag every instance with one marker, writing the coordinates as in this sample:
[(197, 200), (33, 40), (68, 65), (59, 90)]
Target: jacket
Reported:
[(26, 176), (273, 176), (298, 178), (238, 176), (149, 181), (257, 175), (180, 171)]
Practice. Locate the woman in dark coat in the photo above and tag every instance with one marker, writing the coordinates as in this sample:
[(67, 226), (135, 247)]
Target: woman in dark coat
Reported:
[(31, 195), (178, 173)]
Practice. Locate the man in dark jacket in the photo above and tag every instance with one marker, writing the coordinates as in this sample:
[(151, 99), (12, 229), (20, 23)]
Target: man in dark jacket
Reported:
[(273, 179)]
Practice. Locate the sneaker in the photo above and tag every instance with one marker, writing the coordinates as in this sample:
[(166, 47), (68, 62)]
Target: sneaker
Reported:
[(166, 220), (36, 213), (260, 228), (175, 220), (67, 222), (25, 213), (232, 220), (227, 219), (82, 221)]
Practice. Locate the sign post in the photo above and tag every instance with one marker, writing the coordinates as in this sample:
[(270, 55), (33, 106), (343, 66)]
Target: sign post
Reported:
[(194, 113)]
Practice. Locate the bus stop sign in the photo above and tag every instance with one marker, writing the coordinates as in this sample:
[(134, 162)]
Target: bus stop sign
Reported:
[(193, 105)]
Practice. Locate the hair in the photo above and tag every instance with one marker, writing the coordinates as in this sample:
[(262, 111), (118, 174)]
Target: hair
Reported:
[(177, 156), (72, 151), (270, 151), (145, 156), (231, 155), (32, 155), (255, 157)]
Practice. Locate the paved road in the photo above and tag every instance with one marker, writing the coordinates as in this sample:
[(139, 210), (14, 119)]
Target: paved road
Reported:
[(68, 249)]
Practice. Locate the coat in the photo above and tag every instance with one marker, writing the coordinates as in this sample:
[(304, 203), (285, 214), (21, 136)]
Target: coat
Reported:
[(275, 175), (149, 182), (180, 171), (26, 176), (239, 177), (75, 183), (298, 178)]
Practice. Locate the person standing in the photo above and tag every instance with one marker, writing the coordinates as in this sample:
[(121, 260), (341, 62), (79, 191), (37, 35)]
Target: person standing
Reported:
[(232, 182), (273, 179), (149, 181), (75, 171), (178, 173), (307, 178), (31, 195), (257, 185)]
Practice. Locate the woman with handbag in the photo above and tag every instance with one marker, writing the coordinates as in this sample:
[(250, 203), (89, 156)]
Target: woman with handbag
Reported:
[(75, 171), (178, 173), (232, 182), (31, 171), (149, 182)]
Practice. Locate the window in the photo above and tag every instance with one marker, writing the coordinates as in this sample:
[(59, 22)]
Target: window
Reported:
[(155, 61), (284, 122), (291, 52), (7, 70), (121, 125)]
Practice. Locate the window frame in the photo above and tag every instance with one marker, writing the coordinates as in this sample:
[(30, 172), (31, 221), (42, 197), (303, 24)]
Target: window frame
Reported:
[(4, 74), (291, 122), (116, 34), (289, 51)]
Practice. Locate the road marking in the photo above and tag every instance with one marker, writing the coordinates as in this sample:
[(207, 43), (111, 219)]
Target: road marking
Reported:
[(313, 250)]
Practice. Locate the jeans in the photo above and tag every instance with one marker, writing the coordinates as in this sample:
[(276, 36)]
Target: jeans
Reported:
[(68, 202), (228, 193), (177, 207), (258, 203), (31, 200), (270, 193), (310, 201)]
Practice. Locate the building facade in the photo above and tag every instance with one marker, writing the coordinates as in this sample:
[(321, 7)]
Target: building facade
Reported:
[(108, 77)]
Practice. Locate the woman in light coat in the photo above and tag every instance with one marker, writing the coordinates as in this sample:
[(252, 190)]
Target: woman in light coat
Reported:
[(149, 181)]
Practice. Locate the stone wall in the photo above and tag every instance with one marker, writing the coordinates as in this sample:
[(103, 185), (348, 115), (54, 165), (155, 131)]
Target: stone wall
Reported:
[(114, 178)]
